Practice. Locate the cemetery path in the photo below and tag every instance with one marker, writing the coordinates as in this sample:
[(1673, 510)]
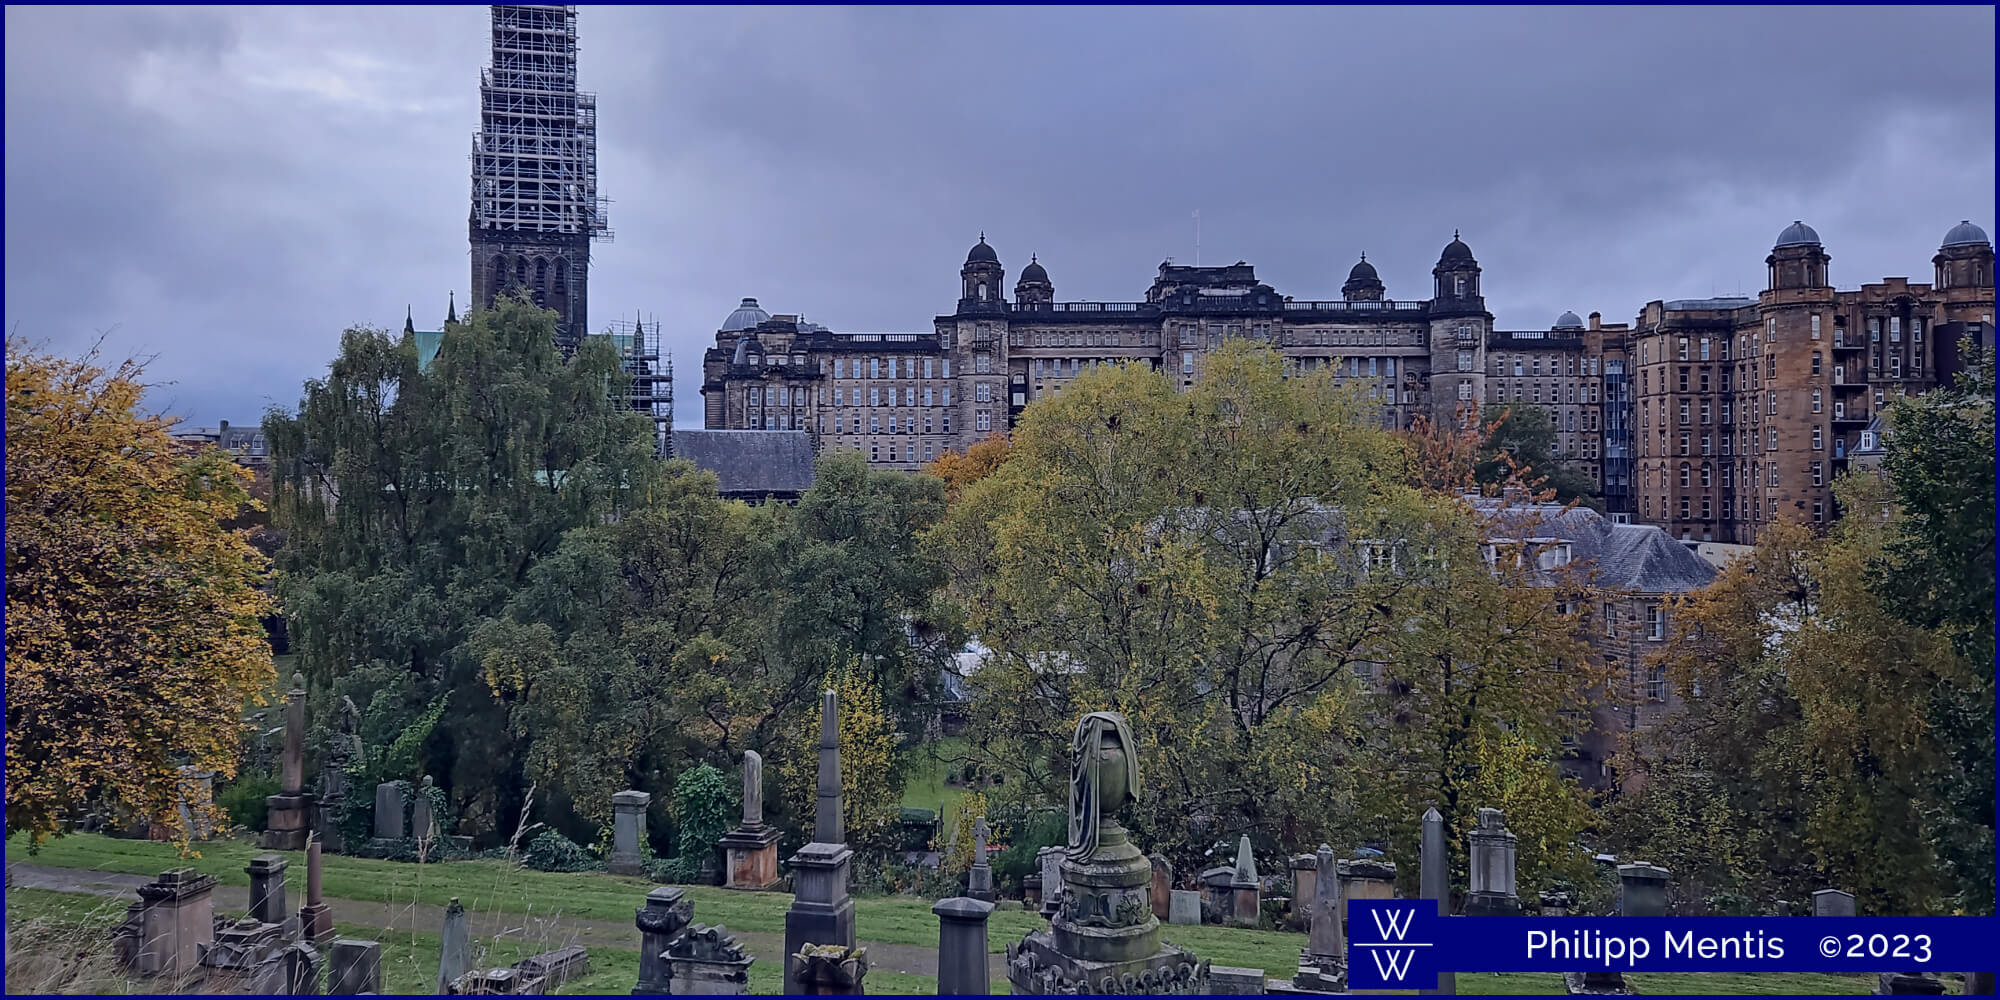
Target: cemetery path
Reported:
[(545, 932)]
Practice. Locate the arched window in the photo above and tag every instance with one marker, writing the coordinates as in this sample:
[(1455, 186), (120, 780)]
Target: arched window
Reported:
[(1458, 286), (499, 273), (562, 275), (521, 271), (982, 291)]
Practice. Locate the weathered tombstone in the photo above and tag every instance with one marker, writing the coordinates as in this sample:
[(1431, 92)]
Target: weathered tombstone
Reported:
[(1305, 875), (315, 918), (389, 807), (1833, 903), (1229, 981), (1049, 861), (1642, 892), (1184, 907), (354, 966), (454, 946), (1104, 937), (289, 813), (1492, 852), (709, 961), (341, 747), (1246, 892), (827, 970), (176, 923), (557, 967), (819, 926), (1434, 879), (751, 850), (979, 880), (628, 824), (303, 966), (661, 920), (423, 823), (1907, 984), (1218, 893), (1365, 878), (240, 948), (267, 888), (1162, 895), (1323, 963), (962, 945), (1556, 903)]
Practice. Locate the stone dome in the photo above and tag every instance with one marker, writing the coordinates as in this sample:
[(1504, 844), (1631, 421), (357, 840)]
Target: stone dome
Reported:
[(1798, 234), (1569, 321), (1034, 271), (1455, 250), (1363, 271), (747, 315), (981, 253), (1965, 234)]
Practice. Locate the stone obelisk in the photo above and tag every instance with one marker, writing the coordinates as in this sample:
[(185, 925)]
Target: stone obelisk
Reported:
[(751, 850), (290, 811), (822, 914)]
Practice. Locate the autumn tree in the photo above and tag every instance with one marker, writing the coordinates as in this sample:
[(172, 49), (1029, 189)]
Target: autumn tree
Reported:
[(133, 614), (979, 461), (869, 747)]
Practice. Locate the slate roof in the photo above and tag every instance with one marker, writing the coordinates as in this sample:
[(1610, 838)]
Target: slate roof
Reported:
[(1641, 558), (751, 463)]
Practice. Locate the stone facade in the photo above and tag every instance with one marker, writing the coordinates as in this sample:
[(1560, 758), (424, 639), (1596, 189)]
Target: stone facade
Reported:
[(905, 398)]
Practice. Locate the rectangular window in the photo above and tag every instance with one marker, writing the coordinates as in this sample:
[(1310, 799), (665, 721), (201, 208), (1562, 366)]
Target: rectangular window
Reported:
[(892, 430), (930, 370), (1819, 478), (1684, 348), (1819, 511), (944, 365), (1895, 366), (839, 366), (947, 402), (1916, 330), (874, 425), (874, 396), (1704, 411), (946, 421), (1187, 362), (1815, 401), (927, 423), (1656, 623), (1726, 505), (1704, 348), (874, 367), (1704, 444), (1815, 326), (1684, 508), (1771, 404), (982, 421), (1465, 361), (930, 395), (982, 392), (1684, 442), (1726, 478), (927, 451), (1816, 439), (1773, 446), (1684, 411), (1895, 329)]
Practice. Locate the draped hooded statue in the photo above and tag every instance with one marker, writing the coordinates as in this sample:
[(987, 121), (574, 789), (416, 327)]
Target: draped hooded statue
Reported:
[(1104, 777)]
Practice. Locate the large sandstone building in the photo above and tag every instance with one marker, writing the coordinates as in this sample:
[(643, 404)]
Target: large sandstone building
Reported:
[(905, 398)]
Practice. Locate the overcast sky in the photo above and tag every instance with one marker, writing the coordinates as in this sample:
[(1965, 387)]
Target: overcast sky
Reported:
[(228, 189)]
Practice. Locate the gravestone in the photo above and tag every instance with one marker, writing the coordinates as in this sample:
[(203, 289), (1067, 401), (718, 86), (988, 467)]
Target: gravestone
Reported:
[(819, 927), (751, 850), (557, 967), (267, 888), (661, 920), (1642, 892), (389, 807), (709, 961), (238, 950), (354, 966), (1434, 879), (1908, 984), (1323, 962), (979, 880), (454, 946), (289, 813), (1163, 886), (1246, 892), (1492, 851), (315, 918), (1305, 875), (1049, 861), (1104, 937), (628, 825), (1833, 903), (423, 823), (1229, 981), (1184, 907), (175, 925), (961, 959)]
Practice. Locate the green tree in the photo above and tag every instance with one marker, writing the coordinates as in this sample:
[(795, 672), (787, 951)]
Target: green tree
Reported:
[(1936, 573), (415, 504), (869, 748), (1521, 444)]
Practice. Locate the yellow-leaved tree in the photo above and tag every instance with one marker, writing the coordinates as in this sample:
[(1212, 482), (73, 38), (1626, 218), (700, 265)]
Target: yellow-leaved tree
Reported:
[(134, 633), (868, 744)]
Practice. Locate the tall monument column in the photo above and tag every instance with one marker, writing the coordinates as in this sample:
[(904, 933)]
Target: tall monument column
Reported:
[(819, 928), (290, 811), (751, 850)]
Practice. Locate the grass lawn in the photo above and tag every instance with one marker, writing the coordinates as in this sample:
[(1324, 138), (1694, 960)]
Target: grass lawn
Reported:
[(925, 788), (492, 886)]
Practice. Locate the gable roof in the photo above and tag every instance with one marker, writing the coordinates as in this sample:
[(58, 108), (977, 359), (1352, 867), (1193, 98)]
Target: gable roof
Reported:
[(1637, 557), (750, 463)]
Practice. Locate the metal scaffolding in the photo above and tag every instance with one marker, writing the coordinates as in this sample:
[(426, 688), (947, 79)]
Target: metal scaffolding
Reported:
[(652, 389), (534, 159)]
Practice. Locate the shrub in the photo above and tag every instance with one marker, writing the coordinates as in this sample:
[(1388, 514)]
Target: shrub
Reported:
[(552, 852), (1027, 836), (244, 799)]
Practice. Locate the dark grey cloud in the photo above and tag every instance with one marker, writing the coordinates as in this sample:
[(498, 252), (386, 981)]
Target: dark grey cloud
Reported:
[(230, 188)]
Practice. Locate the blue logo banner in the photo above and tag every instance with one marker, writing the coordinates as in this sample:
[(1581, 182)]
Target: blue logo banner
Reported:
[(1404, 944)]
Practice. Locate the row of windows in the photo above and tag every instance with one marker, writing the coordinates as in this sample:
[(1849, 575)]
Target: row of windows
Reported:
[(1707, 508), (876, 423), (1570, 366), (895, 368)]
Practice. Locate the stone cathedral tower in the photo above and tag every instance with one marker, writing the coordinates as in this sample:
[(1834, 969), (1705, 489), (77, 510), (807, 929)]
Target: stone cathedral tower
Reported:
[(535, 208)]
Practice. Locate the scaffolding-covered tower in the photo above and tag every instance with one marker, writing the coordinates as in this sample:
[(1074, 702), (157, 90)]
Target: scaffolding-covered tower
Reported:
[(652, 390), (535, 207)]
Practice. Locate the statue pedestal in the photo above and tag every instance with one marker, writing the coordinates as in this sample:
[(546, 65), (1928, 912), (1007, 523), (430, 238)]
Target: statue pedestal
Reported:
[(822, 913), (290, 819), (750, 858), (1104, 937)]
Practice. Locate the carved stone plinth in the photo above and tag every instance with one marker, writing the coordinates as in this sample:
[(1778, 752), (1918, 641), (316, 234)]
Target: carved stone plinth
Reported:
[(827, 970), (174, 923), (750, 859), (1103, 937), (239, 949), (290, 819), (709, 961)]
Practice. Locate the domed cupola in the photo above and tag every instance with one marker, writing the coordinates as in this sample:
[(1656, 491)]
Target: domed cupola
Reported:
[(983, 280), (1034, 288), (1363, 284), (1798, 260), (1457, 274), (1964, 259), (1568, 321), (747, 315)]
